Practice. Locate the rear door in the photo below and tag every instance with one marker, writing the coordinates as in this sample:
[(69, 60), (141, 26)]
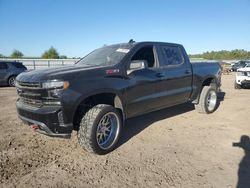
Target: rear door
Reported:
[(175, 86), (3, 71)]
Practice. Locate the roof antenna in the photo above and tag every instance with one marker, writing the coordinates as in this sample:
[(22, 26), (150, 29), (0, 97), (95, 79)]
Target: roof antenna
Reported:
[(131, 41)]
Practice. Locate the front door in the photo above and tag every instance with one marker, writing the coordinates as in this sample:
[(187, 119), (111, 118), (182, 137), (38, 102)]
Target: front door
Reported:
[(141, 95), (3, 71)]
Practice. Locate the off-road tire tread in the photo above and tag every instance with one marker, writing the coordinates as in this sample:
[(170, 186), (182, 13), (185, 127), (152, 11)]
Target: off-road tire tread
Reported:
[(87, 130)]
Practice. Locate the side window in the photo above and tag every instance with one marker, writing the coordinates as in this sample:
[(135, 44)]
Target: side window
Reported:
[(145, 53), (3, 66), (18, 65), (172, 55)]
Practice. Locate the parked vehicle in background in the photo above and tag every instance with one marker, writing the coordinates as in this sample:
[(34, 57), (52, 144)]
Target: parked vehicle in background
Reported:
[(112, 84), (9, 71), (239, 65), (247, 65), (242, 79)]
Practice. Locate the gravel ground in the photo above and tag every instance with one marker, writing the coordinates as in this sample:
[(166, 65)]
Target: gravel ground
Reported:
[(174, 147)]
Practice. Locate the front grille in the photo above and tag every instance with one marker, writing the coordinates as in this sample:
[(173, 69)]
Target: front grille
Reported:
[(31, 85), (32, 102), (28, 93), (32, 94)]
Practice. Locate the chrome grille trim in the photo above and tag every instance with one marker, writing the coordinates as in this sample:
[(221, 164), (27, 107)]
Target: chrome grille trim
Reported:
[(28, 94), (32, 102), (32, 94), (28, 85)]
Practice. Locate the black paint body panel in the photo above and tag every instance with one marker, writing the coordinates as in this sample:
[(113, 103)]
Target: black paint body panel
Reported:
[(140, 92)]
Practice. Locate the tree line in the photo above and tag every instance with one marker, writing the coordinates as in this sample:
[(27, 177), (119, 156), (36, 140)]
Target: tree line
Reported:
[(51, 53), (223, 54)]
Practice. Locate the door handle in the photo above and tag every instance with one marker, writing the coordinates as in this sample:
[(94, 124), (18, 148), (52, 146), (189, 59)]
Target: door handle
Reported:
[(187, 71), (160, 74)]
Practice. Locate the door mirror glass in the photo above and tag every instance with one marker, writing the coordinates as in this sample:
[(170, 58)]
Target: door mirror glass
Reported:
[(137, 65)]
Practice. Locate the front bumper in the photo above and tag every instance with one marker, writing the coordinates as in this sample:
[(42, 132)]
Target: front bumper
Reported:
[(49, 119), (245, 83)]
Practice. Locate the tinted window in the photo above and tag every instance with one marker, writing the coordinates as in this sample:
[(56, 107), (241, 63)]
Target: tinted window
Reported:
[(145, 53), (3, 65), (19, 65), (172, 55), (243, 62)]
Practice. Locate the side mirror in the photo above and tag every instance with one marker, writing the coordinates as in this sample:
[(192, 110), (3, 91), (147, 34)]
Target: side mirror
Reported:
[(137, 65)]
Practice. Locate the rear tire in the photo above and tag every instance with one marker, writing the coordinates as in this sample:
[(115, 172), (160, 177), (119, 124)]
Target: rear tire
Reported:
[(11, 81), (237, 86), (208, 100), (100, 129)]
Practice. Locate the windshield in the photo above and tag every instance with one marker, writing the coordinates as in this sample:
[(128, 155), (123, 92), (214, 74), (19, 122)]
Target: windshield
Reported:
[(108, 55)]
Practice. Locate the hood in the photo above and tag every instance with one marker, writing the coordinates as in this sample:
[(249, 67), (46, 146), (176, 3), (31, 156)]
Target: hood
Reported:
[(247, 69), (60, 73)]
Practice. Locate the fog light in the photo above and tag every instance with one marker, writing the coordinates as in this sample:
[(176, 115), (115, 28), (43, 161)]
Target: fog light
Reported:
[(60, 118), (52, 102)]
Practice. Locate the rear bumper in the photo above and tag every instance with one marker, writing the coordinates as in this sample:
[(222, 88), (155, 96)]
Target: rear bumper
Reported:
[(49, 120)]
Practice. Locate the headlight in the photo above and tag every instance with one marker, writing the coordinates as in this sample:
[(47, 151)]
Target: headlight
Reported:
[(55, 84)]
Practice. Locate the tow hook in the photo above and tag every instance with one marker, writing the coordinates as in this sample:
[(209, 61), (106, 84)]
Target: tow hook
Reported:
[(34, 127)]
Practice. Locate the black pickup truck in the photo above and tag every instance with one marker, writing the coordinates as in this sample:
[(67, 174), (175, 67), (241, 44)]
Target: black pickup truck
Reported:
[(111, 84)]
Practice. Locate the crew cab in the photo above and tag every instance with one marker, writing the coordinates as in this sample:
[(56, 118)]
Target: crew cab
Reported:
[(111, 84)]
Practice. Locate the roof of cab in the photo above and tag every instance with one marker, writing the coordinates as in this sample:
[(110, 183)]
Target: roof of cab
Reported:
[(131, 44), (7, 61)]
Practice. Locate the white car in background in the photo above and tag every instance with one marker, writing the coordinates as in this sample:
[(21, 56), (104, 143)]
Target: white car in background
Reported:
[(247, 65), (243, 77)]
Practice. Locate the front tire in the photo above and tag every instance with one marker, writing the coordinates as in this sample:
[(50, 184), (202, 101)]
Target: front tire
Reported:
[(208, 100), (237, 86), (100, 129)]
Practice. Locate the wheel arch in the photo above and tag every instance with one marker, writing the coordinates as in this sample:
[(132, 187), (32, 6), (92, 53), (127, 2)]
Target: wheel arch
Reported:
[(9, 76), (109, 97), (207, 81)]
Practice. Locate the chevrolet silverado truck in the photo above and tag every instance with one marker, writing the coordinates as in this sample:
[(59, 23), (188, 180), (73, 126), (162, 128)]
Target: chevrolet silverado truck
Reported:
[(113, 83)]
